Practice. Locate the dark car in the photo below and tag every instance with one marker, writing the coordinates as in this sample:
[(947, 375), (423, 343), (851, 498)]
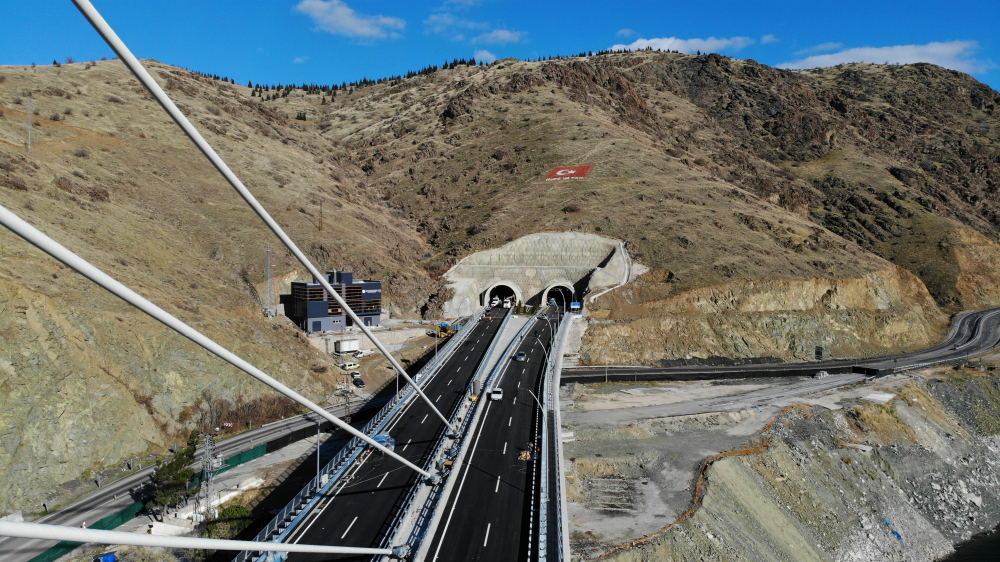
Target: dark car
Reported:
[(358, 382)]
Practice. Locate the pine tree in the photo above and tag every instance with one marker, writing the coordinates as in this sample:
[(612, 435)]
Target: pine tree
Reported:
[(173, 477)]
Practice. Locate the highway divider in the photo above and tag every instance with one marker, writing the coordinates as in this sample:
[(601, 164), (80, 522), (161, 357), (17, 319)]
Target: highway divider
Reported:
[(286, 520), (552, 491)]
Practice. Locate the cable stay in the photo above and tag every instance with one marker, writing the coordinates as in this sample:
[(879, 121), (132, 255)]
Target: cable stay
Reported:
[(140, 72), (41, 241)]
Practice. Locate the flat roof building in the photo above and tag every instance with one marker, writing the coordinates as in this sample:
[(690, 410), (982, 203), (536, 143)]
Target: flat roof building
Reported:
[(313, 310)]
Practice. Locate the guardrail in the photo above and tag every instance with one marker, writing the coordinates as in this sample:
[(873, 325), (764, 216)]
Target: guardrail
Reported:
[(551, 442), (447, 448), (288, 518)]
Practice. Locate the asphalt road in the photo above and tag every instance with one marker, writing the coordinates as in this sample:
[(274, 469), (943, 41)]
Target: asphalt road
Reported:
[(120, 494), (487, 516), (971, 334), (358, 511)]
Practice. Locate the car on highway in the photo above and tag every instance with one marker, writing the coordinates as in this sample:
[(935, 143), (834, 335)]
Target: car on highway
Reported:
[(521, 356), (496, 394), (358, 382)]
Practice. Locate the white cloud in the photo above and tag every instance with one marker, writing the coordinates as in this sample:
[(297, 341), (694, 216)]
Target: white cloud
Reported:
[(445, 22), (710, 45), (338, 18), (625, 32), (820, 48), (485, 56), (955, 55), (769, 38), (500, 37), (300, 60)]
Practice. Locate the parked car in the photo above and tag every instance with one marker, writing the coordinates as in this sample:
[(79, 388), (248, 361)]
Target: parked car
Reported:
[(358, 382), (349, 366), (521, 356)]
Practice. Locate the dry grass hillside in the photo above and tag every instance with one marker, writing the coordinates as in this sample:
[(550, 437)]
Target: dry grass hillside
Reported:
[(854, 206), (87, 381)]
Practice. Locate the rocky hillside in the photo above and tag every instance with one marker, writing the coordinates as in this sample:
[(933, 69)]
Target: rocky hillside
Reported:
[(859, 201), (907, 480)]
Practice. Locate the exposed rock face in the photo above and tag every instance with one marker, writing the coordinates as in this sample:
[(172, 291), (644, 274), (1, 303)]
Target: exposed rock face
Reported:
[(836, 485), (889, 308)]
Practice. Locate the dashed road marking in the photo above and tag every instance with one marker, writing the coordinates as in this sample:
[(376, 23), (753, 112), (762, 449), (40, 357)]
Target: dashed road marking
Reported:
[(356, 518), (404, 448), (425, 418), (438, 398), (380, 482), (504, 448), (497, 488), (510, 420), (484, 540)]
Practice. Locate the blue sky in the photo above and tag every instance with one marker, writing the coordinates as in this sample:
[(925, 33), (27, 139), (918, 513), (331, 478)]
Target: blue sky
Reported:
[(326, 41)]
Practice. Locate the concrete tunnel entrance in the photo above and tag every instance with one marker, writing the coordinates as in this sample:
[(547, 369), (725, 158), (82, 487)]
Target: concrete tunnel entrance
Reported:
[(561, 295), (500, 291), (562, 266)]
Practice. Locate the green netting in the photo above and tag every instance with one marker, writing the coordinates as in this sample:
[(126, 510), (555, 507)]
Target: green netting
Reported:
[(118, 519)]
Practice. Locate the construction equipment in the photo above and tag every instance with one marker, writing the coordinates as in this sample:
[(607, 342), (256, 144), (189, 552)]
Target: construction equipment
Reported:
[(444, 330)]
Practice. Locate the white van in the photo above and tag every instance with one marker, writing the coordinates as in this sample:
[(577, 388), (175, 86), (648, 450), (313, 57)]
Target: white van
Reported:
[(496, 394), (349, 366)]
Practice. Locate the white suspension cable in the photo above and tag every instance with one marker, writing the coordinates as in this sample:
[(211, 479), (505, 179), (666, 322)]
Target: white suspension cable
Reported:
[(57, 251), (94, 536), (133, 64)]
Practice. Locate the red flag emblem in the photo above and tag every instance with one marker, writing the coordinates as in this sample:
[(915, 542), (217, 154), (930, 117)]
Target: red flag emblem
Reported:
[(568, 173)]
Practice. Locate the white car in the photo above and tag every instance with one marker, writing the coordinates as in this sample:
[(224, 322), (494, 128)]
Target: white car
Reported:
[(496, 394)]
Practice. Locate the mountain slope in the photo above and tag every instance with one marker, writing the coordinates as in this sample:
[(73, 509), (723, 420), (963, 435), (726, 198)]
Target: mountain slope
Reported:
[(852, 207)]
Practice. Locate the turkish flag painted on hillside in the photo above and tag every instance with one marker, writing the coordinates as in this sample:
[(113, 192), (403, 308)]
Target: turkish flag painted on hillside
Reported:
[(568, 173)]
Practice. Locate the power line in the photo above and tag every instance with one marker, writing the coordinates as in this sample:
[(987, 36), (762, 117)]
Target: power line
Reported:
[(140, 72), (37, 238)]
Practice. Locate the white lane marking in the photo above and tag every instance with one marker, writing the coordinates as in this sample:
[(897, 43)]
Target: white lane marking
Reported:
[(404, 447), (351, 525), (497, 486), (468, 464), (382, 480), (510, 420), (466, 358), (523, 370), (317, 514), (438, 398), (449, 382), (487, 534), (504, 448), (425, 419), (458, 369)]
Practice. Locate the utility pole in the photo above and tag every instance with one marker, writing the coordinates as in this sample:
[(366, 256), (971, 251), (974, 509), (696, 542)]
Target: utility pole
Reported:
[(208, 464), (321, 216), (317, 453), (270, 308), (29, 123)]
